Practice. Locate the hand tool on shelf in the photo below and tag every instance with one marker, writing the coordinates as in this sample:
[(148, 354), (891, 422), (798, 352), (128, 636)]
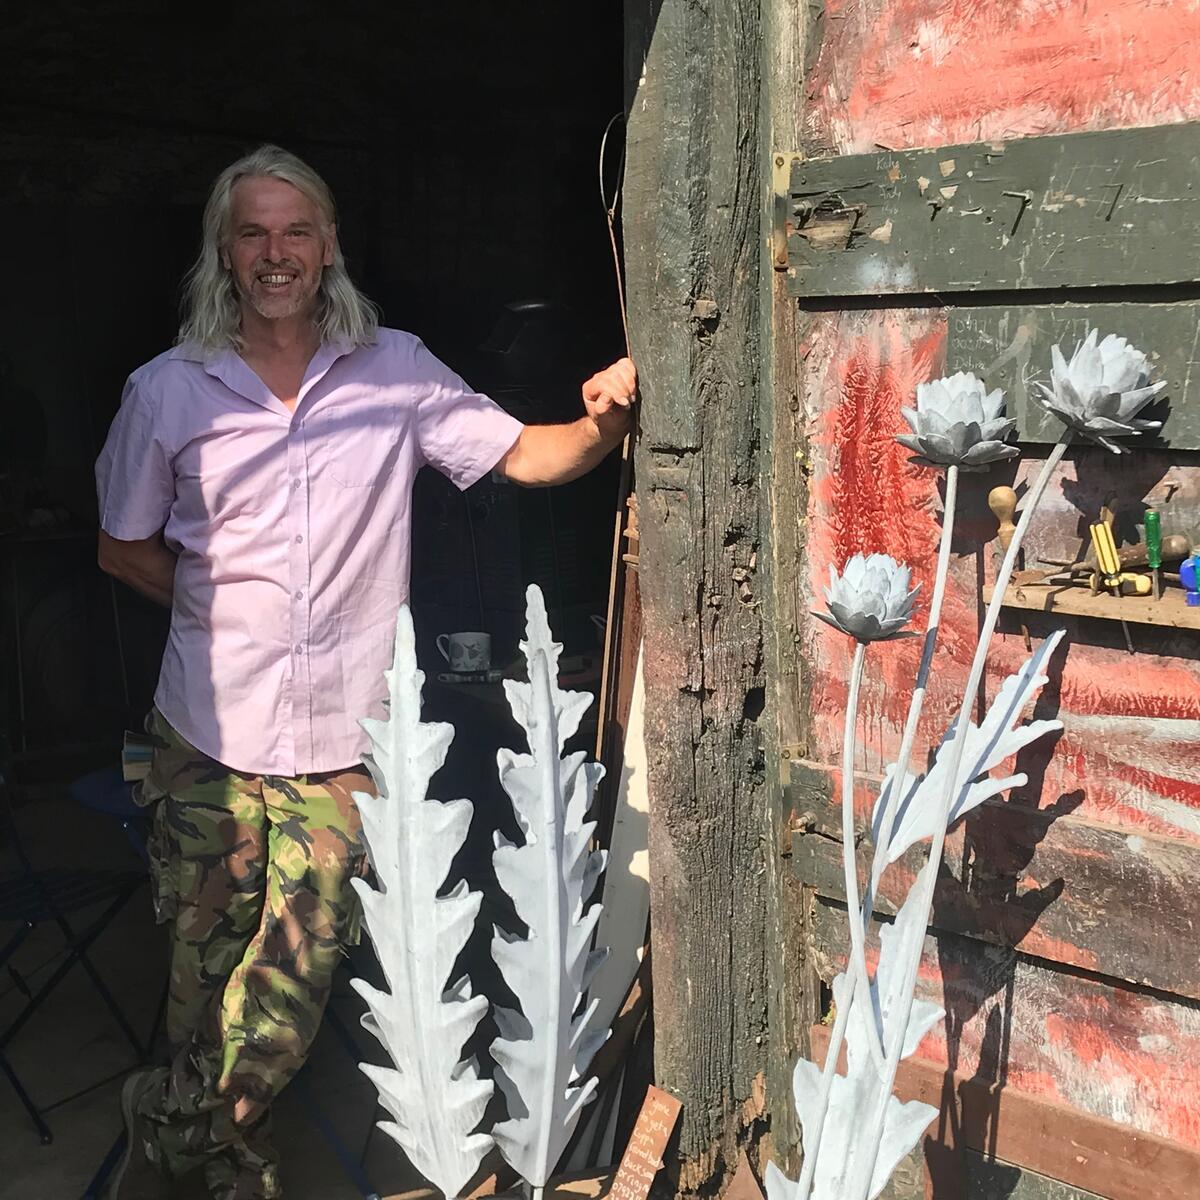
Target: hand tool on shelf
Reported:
[(1003, 503), (1154, 549), (1109, 571), (1172, 548)]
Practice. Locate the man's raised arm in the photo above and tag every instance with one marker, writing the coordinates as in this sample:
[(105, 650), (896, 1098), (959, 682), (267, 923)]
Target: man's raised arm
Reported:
[(549, 454)]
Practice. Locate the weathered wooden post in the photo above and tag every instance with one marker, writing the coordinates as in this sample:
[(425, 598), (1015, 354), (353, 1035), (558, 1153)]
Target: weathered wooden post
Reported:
[(693, 194)]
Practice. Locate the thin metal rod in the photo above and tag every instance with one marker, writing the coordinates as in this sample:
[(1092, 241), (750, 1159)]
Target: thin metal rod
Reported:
[(927, 880), (917, 703), (857, 969), (879, 862), (610, 214)]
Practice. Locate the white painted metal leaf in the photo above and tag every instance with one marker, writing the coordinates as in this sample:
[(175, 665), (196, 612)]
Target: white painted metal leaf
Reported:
[(998, 738), (855, 1094), (544, 1051), (436, 1100)]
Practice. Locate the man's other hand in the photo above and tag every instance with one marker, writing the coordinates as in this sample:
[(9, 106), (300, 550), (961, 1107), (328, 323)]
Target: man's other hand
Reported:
[(608, 396)]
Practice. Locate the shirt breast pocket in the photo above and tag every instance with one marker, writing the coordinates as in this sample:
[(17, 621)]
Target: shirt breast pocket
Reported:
[(357, 445)]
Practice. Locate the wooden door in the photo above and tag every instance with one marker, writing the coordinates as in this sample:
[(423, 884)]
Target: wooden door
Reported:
[(1065, 945)]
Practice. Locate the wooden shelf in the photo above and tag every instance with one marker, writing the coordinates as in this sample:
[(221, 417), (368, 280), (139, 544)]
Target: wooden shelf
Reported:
[(1077, 601)]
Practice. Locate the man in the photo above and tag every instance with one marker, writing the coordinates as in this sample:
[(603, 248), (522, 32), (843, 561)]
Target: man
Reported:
[(257, 480)]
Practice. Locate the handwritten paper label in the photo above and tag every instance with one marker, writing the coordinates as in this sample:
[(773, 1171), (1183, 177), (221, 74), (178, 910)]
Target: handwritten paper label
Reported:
[(643, 1156)]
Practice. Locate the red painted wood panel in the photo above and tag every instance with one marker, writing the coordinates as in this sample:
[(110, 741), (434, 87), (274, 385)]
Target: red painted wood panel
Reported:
[(906, 73)]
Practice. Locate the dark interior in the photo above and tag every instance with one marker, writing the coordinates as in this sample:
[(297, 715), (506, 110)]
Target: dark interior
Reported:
[(461, 142)]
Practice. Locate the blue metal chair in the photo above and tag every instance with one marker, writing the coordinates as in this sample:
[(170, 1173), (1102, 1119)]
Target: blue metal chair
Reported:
[(31, 897)]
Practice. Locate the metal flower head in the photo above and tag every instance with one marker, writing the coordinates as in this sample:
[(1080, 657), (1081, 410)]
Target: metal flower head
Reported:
[(871, 601), (957, 423), (1100, 391)]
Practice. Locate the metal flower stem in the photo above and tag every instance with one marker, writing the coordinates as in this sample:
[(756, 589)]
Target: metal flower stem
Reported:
[(879, 860), (917, 703), (858, 935), (927, 880)]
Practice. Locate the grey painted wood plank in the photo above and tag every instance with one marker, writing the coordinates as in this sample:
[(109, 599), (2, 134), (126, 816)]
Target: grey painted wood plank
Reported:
[(1010, 348), (991, 1179), (1078, 210)]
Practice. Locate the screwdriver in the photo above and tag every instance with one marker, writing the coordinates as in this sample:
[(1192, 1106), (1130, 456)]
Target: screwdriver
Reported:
[(1109, 568), (1154, 549)]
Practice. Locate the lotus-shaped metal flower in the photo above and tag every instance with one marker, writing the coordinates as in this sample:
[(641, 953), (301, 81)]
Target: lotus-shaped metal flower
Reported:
[(1100, 391), (957, 423), (871, 600)]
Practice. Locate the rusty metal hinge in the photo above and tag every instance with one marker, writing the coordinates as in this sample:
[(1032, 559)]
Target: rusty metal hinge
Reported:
[(781, 188)]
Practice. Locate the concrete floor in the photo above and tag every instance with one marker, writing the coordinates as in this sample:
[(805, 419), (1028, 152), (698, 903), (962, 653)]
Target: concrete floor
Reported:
[(73, 1042)]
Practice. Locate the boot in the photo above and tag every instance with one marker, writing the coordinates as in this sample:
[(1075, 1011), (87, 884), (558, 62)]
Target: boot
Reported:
[(136, 1177)]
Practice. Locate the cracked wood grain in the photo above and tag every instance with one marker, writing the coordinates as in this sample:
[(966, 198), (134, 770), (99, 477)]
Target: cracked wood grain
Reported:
[(692, 206)]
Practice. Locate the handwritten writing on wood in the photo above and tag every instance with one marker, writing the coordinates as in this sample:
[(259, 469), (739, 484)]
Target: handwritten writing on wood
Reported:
[(643, 1155)]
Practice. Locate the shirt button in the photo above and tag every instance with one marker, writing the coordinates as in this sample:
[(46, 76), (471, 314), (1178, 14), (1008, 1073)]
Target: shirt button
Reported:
[(299, 538), (296, 485), (299, 648), (299, 593)]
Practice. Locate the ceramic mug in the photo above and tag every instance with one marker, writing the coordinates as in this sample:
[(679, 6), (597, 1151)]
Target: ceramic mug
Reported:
[(466, 651)]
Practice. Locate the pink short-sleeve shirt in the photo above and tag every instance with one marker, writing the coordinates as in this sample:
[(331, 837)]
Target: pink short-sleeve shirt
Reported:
[(292, 531)]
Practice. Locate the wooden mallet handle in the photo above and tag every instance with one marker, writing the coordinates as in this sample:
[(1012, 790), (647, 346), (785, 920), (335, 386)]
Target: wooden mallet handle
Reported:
[(1003, 503)]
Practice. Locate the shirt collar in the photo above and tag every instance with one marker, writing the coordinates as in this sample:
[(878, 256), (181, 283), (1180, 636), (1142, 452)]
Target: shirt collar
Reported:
[(232, 370)]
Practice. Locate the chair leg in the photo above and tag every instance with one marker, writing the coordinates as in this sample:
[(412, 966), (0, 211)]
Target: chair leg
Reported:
[(27, 1103), (95, 1187), (78, 953)]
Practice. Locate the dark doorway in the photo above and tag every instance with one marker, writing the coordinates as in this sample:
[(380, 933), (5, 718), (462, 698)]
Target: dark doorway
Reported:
[(461, 143)]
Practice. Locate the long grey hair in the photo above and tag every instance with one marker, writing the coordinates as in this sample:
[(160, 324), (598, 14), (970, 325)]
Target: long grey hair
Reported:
[(211, 315)]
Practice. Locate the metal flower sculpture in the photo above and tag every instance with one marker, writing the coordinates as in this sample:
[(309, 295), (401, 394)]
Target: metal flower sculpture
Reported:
[(853, 1128), (871, 600), (957, 423), (1101, 390)]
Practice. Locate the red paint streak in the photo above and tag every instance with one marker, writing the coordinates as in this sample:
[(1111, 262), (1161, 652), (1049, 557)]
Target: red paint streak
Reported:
[(904, 73), (870, 491)]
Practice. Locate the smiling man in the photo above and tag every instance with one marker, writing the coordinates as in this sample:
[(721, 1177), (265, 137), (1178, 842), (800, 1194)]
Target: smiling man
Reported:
[(257, 481)]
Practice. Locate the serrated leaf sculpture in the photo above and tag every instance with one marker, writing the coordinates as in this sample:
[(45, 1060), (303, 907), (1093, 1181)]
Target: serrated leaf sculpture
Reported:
[(544, 1051), (436, 1100), (987, 746)]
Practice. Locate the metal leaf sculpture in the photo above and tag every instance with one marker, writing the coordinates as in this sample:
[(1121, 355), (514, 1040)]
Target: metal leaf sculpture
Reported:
[(987, 746), (436, 1100), (544, 1051), (862, 1087)]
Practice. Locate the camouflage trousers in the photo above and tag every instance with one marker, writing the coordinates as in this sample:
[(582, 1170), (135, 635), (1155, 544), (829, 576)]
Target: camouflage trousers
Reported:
[(253, 875)]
